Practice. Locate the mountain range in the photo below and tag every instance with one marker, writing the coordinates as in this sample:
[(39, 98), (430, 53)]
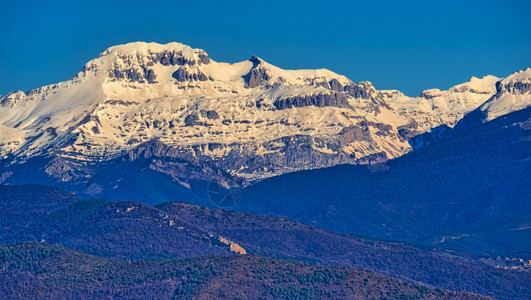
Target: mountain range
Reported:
[(468, 190), (161, 173), (195, 119)]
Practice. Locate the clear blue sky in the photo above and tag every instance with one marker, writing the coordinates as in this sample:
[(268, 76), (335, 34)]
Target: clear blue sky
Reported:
[(406, 45)]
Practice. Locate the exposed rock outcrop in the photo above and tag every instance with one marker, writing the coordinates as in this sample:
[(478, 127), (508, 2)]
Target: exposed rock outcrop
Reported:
[(186, 74), (233, 246), (12, 99), (363, 90), (335, 85), (516, 88), (134, 74), (319, 100), (192, 119), (212, 115), (257, 75)]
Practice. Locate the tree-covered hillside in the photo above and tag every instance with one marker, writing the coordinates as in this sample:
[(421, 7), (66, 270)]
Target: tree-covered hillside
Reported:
[(36, 271)]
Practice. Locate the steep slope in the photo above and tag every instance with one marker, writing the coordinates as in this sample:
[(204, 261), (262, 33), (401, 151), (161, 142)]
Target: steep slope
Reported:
[(469, 191), (34, 270), (196, 119), (512, 93)]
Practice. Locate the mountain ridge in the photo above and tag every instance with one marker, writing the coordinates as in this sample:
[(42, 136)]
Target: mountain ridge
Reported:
[(467, 191), (233, 123), (133, 231), (36, 270)]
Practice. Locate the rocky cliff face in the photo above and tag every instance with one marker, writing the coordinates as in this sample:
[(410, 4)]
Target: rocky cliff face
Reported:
[(197, 119), (234, 247), (319, 100), (137, 66), (512, 93)]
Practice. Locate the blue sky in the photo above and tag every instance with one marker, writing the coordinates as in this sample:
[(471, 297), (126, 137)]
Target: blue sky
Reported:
[(406, 45)]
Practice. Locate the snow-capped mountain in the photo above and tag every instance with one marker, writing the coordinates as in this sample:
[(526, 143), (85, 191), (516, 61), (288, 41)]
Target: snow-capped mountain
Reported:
[(434, 107), (512, 93), (201, 119)]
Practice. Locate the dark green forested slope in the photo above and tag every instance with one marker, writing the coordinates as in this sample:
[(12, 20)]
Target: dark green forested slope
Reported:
[(36, 271)]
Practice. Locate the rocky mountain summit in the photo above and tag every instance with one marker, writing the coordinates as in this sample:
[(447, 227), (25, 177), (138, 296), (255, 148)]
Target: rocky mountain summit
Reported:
[(193, 118), (512, 93)]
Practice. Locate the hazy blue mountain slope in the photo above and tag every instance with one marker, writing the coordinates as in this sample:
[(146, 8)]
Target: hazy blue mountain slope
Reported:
[(281, 238), (134, 231), (118, 179), (478, 174), (127, 230), (22, 206)]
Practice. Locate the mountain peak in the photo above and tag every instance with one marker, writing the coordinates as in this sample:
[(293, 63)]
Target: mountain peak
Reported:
[(512, 93), (522, 76), (140, 47), (255, 60), (152, 53), (484, 85), (222, 114)]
